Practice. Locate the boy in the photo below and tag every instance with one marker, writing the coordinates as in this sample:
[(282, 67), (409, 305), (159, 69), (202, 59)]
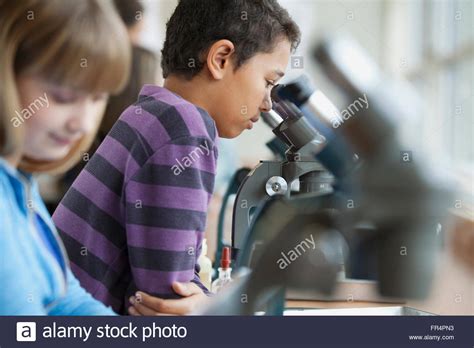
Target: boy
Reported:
[(135, 216)]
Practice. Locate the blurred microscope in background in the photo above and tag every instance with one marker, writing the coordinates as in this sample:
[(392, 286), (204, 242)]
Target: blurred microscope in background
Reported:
[(345, 201)]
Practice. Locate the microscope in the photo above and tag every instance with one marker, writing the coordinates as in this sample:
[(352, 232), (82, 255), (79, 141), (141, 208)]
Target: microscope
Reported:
[(298, 174), (389, 232)]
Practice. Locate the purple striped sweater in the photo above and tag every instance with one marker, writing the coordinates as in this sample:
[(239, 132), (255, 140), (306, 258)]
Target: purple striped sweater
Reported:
[(134, 218)]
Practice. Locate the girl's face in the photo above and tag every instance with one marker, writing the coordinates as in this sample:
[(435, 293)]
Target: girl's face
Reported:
[(55, 117)]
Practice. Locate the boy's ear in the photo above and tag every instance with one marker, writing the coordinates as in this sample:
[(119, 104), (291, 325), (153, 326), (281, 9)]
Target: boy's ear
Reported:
[(219, 58)]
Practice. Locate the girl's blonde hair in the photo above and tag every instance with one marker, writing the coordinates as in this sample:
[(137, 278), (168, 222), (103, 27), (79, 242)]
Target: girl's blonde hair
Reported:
[(81, 44)]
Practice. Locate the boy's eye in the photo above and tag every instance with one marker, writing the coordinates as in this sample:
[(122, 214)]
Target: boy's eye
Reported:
[(270, 84)]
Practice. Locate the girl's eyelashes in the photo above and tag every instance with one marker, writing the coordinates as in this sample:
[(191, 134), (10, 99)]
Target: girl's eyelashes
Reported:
[(62, 96)]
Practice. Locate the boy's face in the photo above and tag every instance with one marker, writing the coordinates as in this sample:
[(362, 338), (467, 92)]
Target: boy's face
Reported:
[(245, 92)]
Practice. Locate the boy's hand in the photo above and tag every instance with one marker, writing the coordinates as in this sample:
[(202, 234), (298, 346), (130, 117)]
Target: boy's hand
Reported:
[(144, 304)]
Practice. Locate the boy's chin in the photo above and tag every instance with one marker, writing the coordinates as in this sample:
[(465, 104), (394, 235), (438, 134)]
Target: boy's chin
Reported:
[(233, 135), (229, 133)]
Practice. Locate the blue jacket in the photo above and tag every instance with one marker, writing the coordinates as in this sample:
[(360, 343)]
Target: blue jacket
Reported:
[(31, 279)]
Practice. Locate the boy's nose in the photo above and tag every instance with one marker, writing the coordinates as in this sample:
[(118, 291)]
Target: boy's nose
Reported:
[(266, 105)]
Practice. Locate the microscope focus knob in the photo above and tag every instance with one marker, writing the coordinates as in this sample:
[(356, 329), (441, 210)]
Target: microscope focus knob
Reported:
[(276, 185)]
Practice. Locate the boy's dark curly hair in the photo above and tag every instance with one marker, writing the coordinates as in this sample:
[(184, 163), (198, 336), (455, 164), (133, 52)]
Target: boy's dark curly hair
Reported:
[(253, 26)]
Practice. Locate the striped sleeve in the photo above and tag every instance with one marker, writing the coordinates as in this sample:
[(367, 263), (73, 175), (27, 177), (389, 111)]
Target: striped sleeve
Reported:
[(166, 204)]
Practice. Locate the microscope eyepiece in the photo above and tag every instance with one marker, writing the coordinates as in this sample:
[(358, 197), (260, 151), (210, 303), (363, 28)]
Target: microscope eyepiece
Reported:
[(298, 92), (272, 118)]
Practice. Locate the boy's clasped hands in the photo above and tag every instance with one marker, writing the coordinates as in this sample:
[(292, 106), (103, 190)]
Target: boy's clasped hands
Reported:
[(144, 304)]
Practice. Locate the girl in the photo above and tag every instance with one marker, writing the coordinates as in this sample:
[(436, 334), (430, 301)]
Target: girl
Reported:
[(58, 62)]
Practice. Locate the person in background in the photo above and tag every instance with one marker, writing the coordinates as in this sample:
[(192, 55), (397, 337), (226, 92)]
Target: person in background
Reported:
[(144, 70), (140, 205), (59, 60)]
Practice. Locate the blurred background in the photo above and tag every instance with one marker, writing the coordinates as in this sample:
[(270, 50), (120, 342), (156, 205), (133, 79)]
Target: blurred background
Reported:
[(427, 42)]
